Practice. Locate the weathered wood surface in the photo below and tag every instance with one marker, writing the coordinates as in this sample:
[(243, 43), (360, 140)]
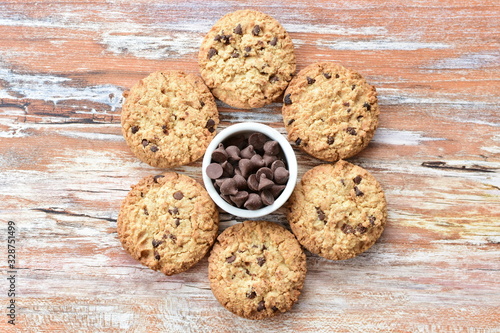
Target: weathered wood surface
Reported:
[(64, 167)]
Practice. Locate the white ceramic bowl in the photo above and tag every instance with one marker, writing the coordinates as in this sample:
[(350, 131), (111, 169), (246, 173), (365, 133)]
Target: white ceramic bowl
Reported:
[(288, 152)]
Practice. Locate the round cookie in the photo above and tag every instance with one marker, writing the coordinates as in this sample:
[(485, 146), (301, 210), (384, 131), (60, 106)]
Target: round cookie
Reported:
[(247, 59), (169, 118), (330, 111), (337, 210), (256, 269), (168, 222)]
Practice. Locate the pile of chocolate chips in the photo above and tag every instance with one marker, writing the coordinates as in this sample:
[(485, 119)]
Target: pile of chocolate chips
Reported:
[(248, 170)]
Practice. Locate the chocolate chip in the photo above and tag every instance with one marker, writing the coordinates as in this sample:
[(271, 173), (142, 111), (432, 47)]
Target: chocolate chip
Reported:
[(261, 306), (226, 39), (214, 170), (238, 30), (231, 259), (235, 55), (218, 182), (248, 152), (330, 140), (347, 229), (367, 106), (273, 78), (155, 178), (248, 49), (211, 52), (310, 80), (320, 213), (134, 129), (353, 87), (277, 164), (210, 123), (358, 191), (273, 41), (145, 210), (357, 179), (298, 141), (269, 159), (156, 243), (251, 294), (257, 161), (287, 100), (241, 183), (351, 130), (265, 183), (145, 142), (228, 187), (346, 104), (276, 190), (257, 140), (281, 175), (327, 75), (274, 309), (239, 198), (233, 153), (227, 199), (245, 167), (254, 202), (219, 154), (228, 169), (256, 30), (253, 183), (290, 122), (261, 261), (372, 219), (361, 229), (177, 222), (272, 147), (165, 130), (267, 197), (173, 211), (268, 173), (154, 149), (178, 195), (337, 76), (157, 255)]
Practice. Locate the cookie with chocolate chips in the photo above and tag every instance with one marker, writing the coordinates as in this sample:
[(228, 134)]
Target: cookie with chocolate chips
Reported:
[(256, 269), (169, 118), (168, 222), (247, 59), (329, 111), (337, 210)]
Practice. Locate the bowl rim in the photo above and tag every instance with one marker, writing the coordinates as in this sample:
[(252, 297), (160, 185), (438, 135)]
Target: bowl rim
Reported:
[(289, 155)]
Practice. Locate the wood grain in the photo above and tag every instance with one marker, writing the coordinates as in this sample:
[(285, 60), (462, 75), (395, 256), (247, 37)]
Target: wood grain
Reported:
[(64, 166)]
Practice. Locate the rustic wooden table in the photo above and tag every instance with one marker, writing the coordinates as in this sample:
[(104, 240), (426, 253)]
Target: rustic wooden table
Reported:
[(64, 166)]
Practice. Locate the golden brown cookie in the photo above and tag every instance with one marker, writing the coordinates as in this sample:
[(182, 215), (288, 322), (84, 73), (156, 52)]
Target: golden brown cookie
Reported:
[(330, 112), (168, 222), (257, 269), (337, 210), (247, 59), (169, 118)]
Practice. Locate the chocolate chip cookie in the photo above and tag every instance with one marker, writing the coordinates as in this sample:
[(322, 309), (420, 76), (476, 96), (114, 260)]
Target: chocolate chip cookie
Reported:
[(329, 111), (247, 59), (257, 269), (337, 210), (169, 118), (168, 222)]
